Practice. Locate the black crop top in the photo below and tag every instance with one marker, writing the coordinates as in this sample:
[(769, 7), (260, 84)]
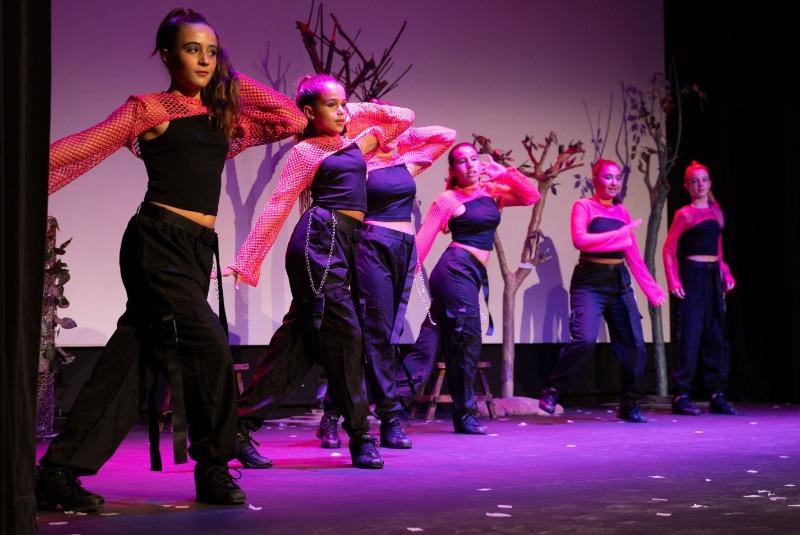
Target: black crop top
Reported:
[(390, 194), (604, 224), (340, 182), (701, 239), (477, 225), (184, 165)]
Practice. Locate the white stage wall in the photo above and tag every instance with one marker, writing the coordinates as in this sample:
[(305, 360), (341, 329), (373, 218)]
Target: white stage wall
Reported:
[(503, 69)]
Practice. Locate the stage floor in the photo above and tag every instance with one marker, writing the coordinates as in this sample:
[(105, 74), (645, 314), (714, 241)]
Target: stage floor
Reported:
[(580, 473)]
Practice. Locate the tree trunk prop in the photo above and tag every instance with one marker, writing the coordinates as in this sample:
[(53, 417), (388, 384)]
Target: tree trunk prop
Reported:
[(531, 255)]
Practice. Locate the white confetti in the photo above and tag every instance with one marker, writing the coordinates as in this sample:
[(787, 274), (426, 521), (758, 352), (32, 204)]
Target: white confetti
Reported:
[(253, 507), (57, 523), (663, 514), (660, 500), (794, 505), (522, 424), (493, 435), (334, 454), (610, 412), (697, 506), (674, 421), (570, 422), (760, 491), (497, 514), (752, 471), (502, 419), (776, 406), (109, 514), (570, 445), (181, 507), (168, 505), (783, 457), (292, 436), (578, 410), (504, 507), (69, 512), (789, 485), (775, 498), (484, 490), (751, 496), (656, 477), (415, 529), (708, 480), (753, 423), (698, 432)]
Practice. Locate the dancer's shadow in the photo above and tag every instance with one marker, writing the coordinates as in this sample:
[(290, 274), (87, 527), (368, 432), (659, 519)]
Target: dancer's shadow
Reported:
[(545, 305)]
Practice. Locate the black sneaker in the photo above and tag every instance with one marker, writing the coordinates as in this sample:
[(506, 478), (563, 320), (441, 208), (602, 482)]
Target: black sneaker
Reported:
[(59, 486), (393, 435), (328, 431), (718, 405), (247, 454), (468, 423), (549, 399), (215, 484), (629, 411), (684, 405), (364, 452)]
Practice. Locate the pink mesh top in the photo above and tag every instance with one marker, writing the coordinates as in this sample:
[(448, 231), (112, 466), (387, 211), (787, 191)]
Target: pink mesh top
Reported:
[(686, 218), (417, 146), (266, 116), (511, 189), (366, 119), (583, 212)]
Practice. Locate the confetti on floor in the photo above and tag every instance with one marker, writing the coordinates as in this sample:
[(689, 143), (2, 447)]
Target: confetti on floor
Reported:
[(504, 506), (752, 471), (698, 431), (181, 507), (776, 498), (656, 477), (336, 454), (484, 490), (522, 424), (498, 514), (415, 529), (783, 457), (570, 445), (794, 505), (494, 435), (760, 491), (57, 523), (570, 422), (753, 423), (253, 507), (660, 500), (168, 505), (789, 485), (109, 514), (292, 436), (698, 506), (708, 480), (751, 496), (663, 514)]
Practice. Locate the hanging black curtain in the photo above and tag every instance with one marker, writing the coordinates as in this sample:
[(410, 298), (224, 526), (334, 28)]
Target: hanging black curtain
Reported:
[(25, 135), (745, 57)]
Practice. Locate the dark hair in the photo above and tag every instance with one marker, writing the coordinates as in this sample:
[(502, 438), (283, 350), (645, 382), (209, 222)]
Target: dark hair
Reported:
[(309, 89), (598, 167), (222, 95), (452, 181)]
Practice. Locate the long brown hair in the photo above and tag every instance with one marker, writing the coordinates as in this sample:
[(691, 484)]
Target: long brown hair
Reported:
[(222, 95)]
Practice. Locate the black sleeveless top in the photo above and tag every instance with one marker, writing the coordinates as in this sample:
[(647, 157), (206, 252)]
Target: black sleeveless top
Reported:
[(390, 194), (477, 225), (701, 239), (604, 224), (340, 182), (184, 165)]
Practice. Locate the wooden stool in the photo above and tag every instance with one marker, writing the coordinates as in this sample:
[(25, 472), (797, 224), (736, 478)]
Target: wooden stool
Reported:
[(436, 396), (166, 408)]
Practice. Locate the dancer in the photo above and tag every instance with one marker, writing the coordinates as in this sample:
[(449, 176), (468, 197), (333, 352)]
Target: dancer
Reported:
[(701, 286), (470, 209), (209, 113), (322, 324), (601, 286), (385, 265)]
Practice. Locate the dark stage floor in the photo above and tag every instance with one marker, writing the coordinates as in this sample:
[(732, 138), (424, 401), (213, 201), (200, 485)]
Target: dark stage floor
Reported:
[(580, 473)]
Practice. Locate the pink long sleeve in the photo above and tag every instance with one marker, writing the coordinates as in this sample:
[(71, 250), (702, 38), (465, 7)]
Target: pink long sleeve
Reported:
[(267, 116), (583, 212), (514, 189), (419, 147), (649, 286), (383, 122), (670, 253)]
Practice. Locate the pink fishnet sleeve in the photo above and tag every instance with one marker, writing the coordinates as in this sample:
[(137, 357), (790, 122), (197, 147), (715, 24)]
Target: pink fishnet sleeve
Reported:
[(515, 189), (597, 242), (422, 146), (73, 155), (383, 122), (670, 253), (649, 286), (435, 221), (267, 116), (296, 176)]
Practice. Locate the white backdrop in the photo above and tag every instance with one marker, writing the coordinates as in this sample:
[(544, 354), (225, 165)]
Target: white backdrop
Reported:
[(502, 69)]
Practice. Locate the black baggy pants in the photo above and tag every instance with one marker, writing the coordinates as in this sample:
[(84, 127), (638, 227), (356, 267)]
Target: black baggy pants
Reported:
[(701, 327), (321, 328), (167, 323), (603, 290)]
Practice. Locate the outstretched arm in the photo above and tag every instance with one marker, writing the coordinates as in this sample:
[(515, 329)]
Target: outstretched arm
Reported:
[(267, 116), (374, 125)]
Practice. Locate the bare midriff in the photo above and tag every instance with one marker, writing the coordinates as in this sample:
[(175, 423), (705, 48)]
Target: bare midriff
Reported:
[(399, 226), (355, 214), (702, 258), (480, 254), (205, 220), (602, 260)]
